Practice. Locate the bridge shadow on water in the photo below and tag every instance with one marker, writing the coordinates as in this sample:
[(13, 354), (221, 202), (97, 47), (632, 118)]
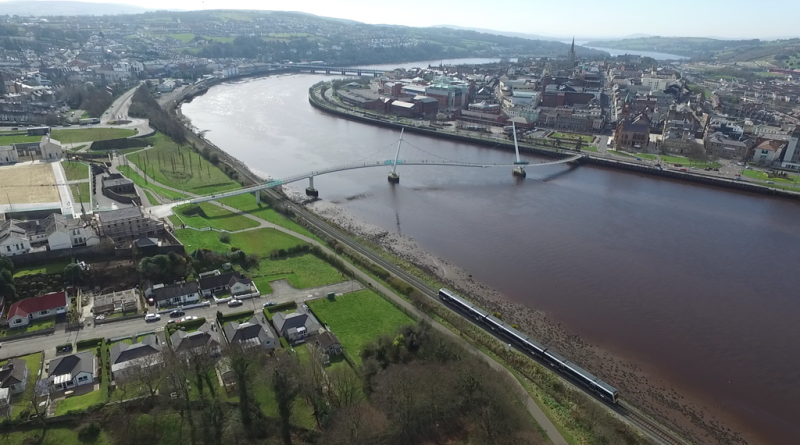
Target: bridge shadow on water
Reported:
[(558, 174)]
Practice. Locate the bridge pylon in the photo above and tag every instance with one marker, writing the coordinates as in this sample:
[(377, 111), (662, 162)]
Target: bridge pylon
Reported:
[(517, 171), (394, 178), (310, 190)]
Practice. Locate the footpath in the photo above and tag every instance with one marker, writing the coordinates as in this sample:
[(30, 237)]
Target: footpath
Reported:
[(536, 412)]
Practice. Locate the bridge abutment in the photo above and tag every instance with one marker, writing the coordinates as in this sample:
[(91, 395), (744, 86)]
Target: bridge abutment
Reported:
[(310, 190), (394, 178), (519, 172)]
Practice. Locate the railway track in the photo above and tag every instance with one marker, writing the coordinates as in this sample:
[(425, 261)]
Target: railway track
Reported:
[(648, 426)]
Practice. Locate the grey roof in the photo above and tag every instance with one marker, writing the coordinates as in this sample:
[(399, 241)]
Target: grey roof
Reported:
[(327, 339), (112, 182), (175, 290), (300, 318), (10, 228), (146, 242), (253, 328), (12, 372), (120, 214), (57, 221), (213, 281), (123, 352), (183, 341), (73, 364)]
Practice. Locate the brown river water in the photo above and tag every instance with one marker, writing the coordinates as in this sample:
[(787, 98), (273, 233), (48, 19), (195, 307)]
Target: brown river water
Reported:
[(698, 284)]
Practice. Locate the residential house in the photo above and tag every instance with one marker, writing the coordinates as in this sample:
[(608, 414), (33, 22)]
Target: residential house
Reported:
[(14, 376), (123, 301), (204, 340), (63, 233), (8, 154), (212, 283), (328, 344), (720, 146), (13, 239), (176, 294), (295, 327), (128, 223), (125, 358), (73, 370), (253, 333), (51, 149), (23, 312)]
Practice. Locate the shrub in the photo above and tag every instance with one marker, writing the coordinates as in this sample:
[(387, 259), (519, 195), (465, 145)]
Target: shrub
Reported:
[(224, 238), (89, 342), (89, 432), (284, 343)]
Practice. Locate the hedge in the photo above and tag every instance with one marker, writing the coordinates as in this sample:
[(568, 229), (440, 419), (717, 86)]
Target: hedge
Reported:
[(234, 316), (121, 143), (89, 342), (284, 343), (189, 324), (270, 311)]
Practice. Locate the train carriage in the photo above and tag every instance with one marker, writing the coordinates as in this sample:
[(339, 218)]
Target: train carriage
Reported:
[(607, 391), (554, 358)]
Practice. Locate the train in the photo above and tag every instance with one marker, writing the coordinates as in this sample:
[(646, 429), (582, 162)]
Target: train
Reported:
[(531, 346)]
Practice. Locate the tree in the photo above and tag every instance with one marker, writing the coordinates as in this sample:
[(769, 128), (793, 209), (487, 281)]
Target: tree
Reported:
[(243, 365), (149, 373), (7, 287), (72, 273), (344, 387), (286, 385), (357, 425)]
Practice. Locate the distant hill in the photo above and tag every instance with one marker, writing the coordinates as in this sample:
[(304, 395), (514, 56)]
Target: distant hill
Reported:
[(56, 8), (500, 33)]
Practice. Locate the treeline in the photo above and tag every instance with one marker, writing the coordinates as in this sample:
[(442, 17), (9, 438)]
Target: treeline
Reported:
[(143, 105), (95, 101)]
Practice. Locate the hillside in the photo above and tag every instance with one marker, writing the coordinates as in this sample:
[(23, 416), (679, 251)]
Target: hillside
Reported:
[(784, 52)]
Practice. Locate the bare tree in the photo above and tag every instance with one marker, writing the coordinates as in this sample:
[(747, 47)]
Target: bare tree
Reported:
[(344, 388), (357, 425), (149, 373), (244, 365), (286, 384), (179, 378)]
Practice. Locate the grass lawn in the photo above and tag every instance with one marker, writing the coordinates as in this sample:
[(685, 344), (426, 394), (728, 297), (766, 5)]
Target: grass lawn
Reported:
[(303, 354), (80, 192), (77, 148), (587, 139), (18, 139), (32, 327), (53, 436), (302, 413), (240, 318), (75, 170), (689, 162), (151, 198), (79, 402), (301, 271), (589, 148), (215, 217), (139, 180), (247, 203), (789, 183), (54, 267), (220, 39), (90, 134), (358, 318), (182, 37), (260, 242), (180, 167)]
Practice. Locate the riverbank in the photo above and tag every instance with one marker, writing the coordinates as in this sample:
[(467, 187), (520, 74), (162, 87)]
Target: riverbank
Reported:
[(317, 101)]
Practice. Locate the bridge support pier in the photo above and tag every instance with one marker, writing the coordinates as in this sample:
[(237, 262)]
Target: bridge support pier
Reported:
[(518, 172), (310, 190), (394, 178), (258, 197)]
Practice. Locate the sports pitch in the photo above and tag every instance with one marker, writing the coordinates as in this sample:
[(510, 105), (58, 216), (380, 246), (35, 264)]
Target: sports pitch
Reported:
[(28, 184)]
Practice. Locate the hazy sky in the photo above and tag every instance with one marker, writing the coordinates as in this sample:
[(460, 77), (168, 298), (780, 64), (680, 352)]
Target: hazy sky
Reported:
[(584, 18)]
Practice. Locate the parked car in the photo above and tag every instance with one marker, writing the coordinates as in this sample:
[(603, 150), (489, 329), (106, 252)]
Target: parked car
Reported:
[(188, 318), (678, 165), (770, 182), (152, 317), (100, 317), (151, 301), (176, 313), (235, 303), (684, 170), (269, 303)]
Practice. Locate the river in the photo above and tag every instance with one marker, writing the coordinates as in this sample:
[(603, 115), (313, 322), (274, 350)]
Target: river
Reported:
[(696, 282)]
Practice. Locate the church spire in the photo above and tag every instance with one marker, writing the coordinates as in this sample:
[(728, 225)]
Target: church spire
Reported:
[(571, 55)]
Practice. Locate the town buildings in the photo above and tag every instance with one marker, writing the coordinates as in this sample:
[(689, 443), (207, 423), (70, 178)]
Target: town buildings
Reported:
[(127, 224)]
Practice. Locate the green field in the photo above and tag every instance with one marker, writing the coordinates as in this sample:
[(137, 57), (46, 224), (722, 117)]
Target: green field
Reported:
[(75, 170), (788, 183), (260, 242), (90, 134), (301, 271), (359, 318), (182, 37), (247, 203), (220, 39), (80, 192), (53, 436), (151, 198), (18, 139), (215, 217), (302, 413), (586, 139), (180, 167), (34, 326), (139, 180), (79, 402), (688, 162), (54, 267)]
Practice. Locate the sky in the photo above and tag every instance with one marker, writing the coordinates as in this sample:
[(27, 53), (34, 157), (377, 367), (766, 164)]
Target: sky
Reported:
[(586, 19)]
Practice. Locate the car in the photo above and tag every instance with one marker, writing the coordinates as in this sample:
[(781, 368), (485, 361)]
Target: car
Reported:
[(235, 303), (678, 165), (151, 301), (172, 322), (15, 129), (176, 313), (684, 170), (716, 169), (188, 318), (770, 182), (66, 125), (100, 317), (152, 317), (694, 168), (269, 303)]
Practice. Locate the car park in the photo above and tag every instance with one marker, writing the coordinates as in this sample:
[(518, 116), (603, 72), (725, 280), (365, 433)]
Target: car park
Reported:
[(152, 317)]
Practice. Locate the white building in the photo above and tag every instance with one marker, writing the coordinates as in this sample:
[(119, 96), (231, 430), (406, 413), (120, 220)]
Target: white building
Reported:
[(8, 154), (657, 83), (63, 233), (791, 157), (13, 239), (51, 149)]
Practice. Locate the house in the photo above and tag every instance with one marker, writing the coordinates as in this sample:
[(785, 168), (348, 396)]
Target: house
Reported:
[(73, 370), (8, 154), (204, 340), (25, 311), (720, 146), (176, 294), (767, 151), (128, 223), (125, 358), (253, 333), (51, 149), (295, 327), (328, 343), (123, 301), (13, 239), (63, 233), (14, 376), (215, 282)]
